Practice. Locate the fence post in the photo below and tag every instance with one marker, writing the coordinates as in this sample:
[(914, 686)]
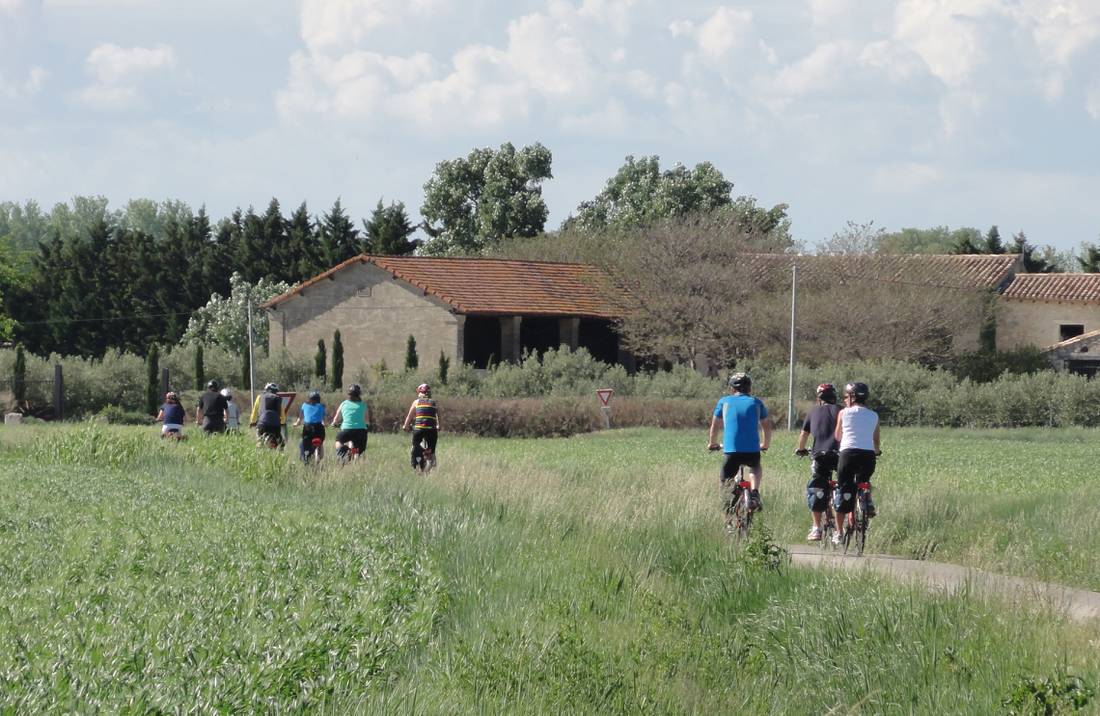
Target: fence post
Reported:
[(58, 393), (163, 382)]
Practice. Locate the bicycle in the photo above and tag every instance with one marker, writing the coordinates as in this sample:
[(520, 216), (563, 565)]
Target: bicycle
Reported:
[(347, 454), (859, 521), (310, 452), (739, 508), (426, 462), (828, 518)]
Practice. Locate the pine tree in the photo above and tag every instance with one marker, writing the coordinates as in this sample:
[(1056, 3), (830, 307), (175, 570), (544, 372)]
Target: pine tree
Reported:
[(19, 376), (200, 369), (304, 244), (152, 380), (1089, 260), (388, 231), (444, 367), (993, 243), (338, 236), (319, 361), (412, 361), (337, 362)]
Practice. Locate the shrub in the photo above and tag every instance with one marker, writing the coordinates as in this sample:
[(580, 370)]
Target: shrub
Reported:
[(116, 415)]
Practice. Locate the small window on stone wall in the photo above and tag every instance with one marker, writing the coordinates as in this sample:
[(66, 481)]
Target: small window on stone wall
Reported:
[(1069, 330), (363, 292)]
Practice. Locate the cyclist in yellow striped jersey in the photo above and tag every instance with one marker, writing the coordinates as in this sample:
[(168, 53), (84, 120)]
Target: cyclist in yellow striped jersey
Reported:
[(424, 418)]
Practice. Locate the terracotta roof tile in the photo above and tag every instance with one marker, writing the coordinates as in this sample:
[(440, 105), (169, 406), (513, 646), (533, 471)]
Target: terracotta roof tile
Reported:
[(1075, 287), (499, 286)]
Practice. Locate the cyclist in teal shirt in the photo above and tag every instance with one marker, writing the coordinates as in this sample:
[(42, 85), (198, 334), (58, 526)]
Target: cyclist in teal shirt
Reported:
[(353, 419), (312, 420), (742, 419)]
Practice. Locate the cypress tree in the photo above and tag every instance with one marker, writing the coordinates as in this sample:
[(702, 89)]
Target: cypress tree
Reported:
[(19, 375), (338, 236), (319, 368), (412, 361), (152, 380), (200, 369), (337, 362), (444, 367)]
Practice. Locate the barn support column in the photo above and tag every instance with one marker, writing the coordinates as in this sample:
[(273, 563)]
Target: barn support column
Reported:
[(569, 332), (510, 350), (460, 339)]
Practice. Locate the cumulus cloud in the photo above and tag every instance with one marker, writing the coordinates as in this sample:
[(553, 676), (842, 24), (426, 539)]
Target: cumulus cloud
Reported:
[(725, 29), (110, 63), (27, 87), (337, 23)]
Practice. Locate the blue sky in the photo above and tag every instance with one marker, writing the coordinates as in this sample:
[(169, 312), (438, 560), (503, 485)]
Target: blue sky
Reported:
[(906, 112)]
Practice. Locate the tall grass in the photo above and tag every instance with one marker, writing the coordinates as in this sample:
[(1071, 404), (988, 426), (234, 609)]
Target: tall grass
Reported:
[(585, 575)]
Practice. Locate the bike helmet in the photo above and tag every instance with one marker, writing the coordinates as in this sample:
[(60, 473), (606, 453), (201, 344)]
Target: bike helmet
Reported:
[(212, 385), (826, 392), (741, 382), (424, 388), (858, 391), (271, 388), (172, 396), (227, 393), (314, 395), (355, 390)]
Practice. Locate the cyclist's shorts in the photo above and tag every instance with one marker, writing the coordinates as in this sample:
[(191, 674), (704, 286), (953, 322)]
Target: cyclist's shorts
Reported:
[(171, 428), (274, 432), (734, 460), (313, 430), (855, 466), (817, 494), (823, 466), (356, 436), (210, 426)]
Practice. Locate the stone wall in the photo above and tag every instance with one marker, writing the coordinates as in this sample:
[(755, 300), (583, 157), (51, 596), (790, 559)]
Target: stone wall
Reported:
[(375, 314), (1037, 323)]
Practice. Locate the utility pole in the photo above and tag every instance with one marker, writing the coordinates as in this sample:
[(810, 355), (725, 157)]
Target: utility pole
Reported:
[(251, 364), (790, 376)]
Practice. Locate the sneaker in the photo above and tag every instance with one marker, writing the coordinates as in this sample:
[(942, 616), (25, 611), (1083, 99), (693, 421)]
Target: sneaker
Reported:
[(815, 535), (755, 503), (836, 539)]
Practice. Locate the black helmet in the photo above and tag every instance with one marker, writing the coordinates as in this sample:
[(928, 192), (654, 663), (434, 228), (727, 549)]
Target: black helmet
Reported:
[(858, 391), (741, 382), (826, 392), (355, 390), (212, 385), (271, 388), (314, 395)]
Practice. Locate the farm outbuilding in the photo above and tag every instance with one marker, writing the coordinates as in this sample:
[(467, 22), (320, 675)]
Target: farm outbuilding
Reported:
[(472, 310)]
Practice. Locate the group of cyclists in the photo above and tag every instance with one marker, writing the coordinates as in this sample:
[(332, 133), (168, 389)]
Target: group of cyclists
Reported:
[(846, 441), (218, 414)]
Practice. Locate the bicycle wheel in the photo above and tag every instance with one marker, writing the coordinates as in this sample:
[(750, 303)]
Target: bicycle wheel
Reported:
[(828, 527), (743, 514), (861, 523)]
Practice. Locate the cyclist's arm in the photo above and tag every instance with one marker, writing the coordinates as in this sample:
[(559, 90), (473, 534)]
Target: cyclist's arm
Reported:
[(160, 416), (337, 418), (838, 431), (803, 436), (878, 445), (438, 422), (198, 412), (409, 417), (715, 426), (366, 416), (766, 428)]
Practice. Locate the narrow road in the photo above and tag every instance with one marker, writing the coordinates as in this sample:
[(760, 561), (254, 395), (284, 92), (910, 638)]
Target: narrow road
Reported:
[(1077, 604)]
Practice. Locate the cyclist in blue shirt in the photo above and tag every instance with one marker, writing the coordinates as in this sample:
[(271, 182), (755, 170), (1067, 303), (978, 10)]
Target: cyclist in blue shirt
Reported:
[(312, 420), (742, 419)]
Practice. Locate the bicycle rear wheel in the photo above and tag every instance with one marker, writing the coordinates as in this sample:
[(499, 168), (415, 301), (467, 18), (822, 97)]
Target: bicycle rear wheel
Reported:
[(828, 528), (861, 523)]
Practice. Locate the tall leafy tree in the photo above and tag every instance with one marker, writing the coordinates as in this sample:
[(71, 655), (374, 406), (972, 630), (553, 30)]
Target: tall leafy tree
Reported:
[(305, 246), (319, 361), (152, 380), (1089, 258), (389, 230), (338, 236), (488, 196), (337, 361), (993, 242)]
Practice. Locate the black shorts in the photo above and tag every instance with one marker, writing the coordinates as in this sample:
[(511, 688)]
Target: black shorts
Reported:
[(356, 436), (733, 462), (855, 466), (275, 432), (210, 426), (313, 430)]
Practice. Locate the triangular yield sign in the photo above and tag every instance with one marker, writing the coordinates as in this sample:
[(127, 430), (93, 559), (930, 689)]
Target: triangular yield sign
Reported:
[(605, 394)]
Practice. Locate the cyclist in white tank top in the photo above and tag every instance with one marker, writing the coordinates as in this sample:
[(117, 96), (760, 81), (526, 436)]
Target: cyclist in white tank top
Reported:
[(857, 431), (858, 428)]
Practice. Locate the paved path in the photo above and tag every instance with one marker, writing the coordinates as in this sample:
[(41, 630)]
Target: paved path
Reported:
[(1078, 604)]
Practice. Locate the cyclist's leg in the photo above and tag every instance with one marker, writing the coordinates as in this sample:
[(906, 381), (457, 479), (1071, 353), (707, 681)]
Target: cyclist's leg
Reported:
[(432, 438), (844, 497), (816, 490), (417, 451), (867, 470), (727, 483), (756, 477)]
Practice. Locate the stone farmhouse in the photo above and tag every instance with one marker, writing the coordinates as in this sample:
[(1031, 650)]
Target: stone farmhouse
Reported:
[(477, 310), (1057, 312), (473, 310)]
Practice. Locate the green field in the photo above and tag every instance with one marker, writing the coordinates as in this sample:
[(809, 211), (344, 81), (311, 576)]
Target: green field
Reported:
[(574, 575)]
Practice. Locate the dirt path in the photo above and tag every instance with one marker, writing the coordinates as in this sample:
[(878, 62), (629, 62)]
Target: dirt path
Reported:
[(1078, 604)]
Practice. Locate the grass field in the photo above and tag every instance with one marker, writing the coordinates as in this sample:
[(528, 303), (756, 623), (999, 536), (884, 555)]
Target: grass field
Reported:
[(548, 576)]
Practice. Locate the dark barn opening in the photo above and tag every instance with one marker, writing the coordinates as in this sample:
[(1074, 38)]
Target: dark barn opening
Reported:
[(481, 340), (598, 338), (538, 334)]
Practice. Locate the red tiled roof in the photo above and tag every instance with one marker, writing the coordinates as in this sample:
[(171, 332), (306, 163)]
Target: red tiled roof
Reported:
[(931, 270), (498, 286), (1075, 287)]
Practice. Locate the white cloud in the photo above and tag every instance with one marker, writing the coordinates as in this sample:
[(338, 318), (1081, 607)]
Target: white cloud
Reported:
[(820, 70), (825, 11), (330, 24), (110, 98), (11, 6), (947, 34), (681, 28), (22, 89), (110, 64), (725, 29)]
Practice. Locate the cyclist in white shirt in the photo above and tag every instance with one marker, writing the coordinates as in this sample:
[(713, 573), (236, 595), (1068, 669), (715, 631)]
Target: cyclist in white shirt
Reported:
[(857, 432)]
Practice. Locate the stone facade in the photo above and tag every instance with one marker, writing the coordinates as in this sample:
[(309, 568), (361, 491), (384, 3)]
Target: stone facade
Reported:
[(375, 314), (1040, 324)]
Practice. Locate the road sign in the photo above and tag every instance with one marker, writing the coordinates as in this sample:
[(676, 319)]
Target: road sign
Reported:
[(288, 398), (605, 395)]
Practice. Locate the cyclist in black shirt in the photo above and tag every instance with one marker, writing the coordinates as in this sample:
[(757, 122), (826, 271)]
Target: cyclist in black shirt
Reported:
[(821, 423), (213, 410)]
